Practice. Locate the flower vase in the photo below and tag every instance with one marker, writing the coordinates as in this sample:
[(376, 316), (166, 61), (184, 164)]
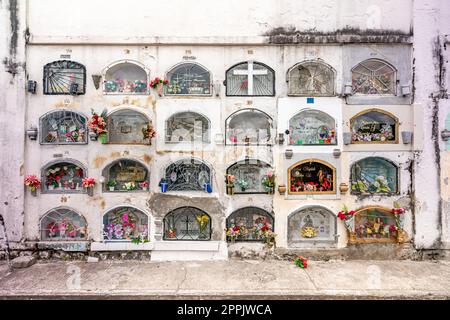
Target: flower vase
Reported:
[(208, 188), (402, 236), (112, 189), (90, 191), (34, 192), (51, 187), (164, 186), (230, 189), (102, 138), (159, 89), (145, 189), (352, 238)]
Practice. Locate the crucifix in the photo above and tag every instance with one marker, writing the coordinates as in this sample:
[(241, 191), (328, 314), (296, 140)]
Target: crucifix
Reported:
[(250, 73)]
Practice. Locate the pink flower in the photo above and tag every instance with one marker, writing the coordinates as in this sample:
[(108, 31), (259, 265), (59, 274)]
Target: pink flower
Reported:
[(125, 217), (270, 174)]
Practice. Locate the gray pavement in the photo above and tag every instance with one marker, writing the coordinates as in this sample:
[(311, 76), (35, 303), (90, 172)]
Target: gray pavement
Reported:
[(228, 280)]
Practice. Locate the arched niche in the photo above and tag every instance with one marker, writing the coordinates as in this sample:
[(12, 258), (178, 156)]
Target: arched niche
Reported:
[(188, 127), (374, 77), (312, 176), (60, 127), (250, 79), (312, 127), (374, 126), (126, 77), (375, 225), (126, 223), (127, 126), (374, 175), (62, 224), (187, 223), (189, 79), (63, 176), (250, 221), (249, 175), (187, 175), (249, 126), (311, 78), (126, 175), (64, 77), (312, 224)]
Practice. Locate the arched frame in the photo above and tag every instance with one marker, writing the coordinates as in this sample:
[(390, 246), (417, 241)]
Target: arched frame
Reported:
[(75, 212), (321, 63), (180, 64), (113, 163), (206, 139), (269, 69), (397, 175), (383, 210), (333, 232), (74, 162), (170, 233), (61, 84), (317, 192), (77, 117), (149, 225), (131, 62), (386, 113), (372, 75), (332, 134), (203, 167), (250, 224), (244, 111), (264, 166), (130, 110)]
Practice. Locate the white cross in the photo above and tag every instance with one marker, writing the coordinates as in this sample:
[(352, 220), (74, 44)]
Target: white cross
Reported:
[(250, 73)]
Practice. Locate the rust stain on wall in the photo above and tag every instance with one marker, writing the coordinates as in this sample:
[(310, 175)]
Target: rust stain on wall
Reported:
[(147, 158), (99, 161)]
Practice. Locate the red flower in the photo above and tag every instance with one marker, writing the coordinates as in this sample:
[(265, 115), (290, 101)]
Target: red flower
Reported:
[(351, 213), (392, 228), (166, 81), (265, 228), (157, 79), (342, 216)]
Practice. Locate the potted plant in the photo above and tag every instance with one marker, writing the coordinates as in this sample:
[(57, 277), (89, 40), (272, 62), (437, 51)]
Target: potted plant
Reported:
[(89, 184), (348, 216), (144, 185), (111, 184), (33, 183), (97, 124), (229, 181)]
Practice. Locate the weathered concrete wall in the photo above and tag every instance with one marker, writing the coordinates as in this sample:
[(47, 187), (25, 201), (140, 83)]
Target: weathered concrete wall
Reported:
[(277, 33), (12, 119)]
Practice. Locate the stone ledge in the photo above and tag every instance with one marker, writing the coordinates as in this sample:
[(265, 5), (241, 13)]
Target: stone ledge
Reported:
[(121, 246)]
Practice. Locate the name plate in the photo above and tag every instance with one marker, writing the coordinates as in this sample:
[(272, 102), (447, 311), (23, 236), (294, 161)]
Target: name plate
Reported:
[(65, 246)]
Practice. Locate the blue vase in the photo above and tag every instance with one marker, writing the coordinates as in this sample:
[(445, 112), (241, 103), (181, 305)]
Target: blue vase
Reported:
[(208, 187), (164, 187)]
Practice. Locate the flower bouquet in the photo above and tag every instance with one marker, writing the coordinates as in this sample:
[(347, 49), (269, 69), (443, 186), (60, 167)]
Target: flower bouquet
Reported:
[(89, 184), (129, 186), (202, 220), (348, 217), (235, 232), (97, 124), (269, 182), (301, 262), (148, 132), (229, 181), (398, 213), (242, 184), (144, 185), (264, 232), (159, 84), (33, 183)]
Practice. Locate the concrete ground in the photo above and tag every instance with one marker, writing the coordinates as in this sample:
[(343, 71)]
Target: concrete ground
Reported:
[(229, 280)]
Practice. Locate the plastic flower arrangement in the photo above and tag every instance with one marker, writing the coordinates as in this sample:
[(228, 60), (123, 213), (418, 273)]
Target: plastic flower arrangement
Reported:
[(158, 81), (242, 184), (347, 216), (88, 182), (398, 212), (264, 232), (139, 86), (230, 179), (202, 220), (144, 184), (235, 232), (301, 262), (32, 182), (129, 186), (97, 123), (381, 185), (269, 181), (148, 132), (110, 86), (308, 232)]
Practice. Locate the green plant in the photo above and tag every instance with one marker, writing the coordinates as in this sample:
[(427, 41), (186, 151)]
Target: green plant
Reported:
[(111, 183), (242, 183)]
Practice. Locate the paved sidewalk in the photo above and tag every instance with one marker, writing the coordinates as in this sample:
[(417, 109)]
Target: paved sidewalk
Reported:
[(229, 279)]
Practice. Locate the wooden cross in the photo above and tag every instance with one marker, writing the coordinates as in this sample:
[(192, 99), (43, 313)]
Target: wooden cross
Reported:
[(250, 73)]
